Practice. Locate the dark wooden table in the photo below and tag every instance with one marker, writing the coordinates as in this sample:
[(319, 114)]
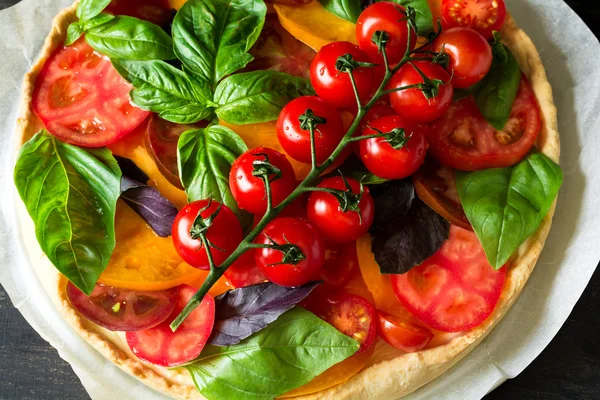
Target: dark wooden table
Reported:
[(569, 368)]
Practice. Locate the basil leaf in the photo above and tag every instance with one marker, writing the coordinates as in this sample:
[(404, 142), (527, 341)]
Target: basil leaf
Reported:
[(506, 205), (212, 37), (76, 29), (287, 354), (97, 20), (345, 9), (71, 195), (131, 38), (74, 32), (244, 311), (204, 157), (88, 9), (498, 90), (405, 230), (424, 17), (257, 96), (163, 89), (131, 170)]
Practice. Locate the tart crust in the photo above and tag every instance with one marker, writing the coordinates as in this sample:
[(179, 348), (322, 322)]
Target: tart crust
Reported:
[(396, 374)]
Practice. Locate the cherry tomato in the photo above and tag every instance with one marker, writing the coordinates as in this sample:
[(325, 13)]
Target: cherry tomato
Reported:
[(244, 271), (225, 233), (463, 139), (82, 100), (454, 290), (470, 55), (379, 110), (156, 11), (435, 184), (335, 224), (403, 334), (334, 86), (121, 309), (351, 314), (341, 263), (413, 103), (161, 142), (296, 209), (161, 346), (485, 16), (394, 156), (389, 17), (300, 233), (296, 141), (249, 190)]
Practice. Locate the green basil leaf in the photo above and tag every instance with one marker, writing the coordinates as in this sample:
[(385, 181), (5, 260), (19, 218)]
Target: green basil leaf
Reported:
[(257, 96), (285, 355), (498, 90), (132, 39), (88, 9), (506, 205), (212, 37), (97, 20), (74, 32), (424, 18), (345, 9), (163, 89), (204, 158), (71, 195)]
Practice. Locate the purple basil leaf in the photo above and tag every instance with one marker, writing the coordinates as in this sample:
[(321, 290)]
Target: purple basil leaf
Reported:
[(241, 312), (149, 204), (130, 170), (403, 236)]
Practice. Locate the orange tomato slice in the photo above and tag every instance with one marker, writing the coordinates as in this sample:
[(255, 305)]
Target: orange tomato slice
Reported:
[(315, 26)]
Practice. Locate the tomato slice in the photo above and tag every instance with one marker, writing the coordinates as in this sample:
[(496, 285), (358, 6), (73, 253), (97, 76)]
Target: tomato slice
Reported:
[(122, 309), (161, 142), (244, 271), (351, 314), (161, 346), (156, 11), (435, 184), (81, 98), (485, 16), (464, 140), (403, 334), (454, 290)]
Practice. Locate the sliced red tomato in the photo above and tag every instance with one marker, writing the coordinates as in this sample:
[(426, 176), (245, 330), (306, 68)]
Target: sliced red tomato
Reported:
[(81, 98), (161, 346), (485, 16), (277, 50), (403, 334), (463, 139), (244, 271), (121, 309), (156, 11), (454, 290), (351, 314), (435, 184), (161, 142)]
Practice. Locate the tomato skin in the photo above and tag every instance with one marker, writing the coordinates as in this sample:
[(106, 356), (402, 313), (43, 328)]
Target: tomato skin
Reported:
[(244, 271), (300, 233), (296, 141), (341, 263), (382, 159), (325, 214), (485, 16), (351, 314), (470, 55), (225, 234), (156, 11), (464, 140), (402, 334), (334, 86), (249, 190), (412, 103), (389, 17), (454, 290)]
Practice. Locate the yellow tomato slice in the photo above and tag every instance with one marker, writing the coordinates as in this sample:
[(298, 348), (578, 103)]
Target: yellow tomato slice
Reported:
[(315, 26)]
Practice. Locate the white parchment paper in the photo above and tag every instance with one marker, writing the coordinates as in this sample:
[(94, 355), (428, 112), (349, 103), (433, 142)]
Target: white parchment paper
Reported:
[(569, 51)]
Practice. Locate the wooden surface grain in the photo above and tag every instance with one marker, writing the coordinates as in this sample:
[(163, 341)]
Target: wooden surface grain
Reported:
[(569, 368)]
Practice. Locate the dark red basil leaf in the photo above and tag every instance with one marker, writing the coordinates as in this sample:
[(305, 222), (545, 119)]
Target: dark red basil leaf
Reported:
[(241, 312), (406, 231), (148, 203), (130, 170)]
